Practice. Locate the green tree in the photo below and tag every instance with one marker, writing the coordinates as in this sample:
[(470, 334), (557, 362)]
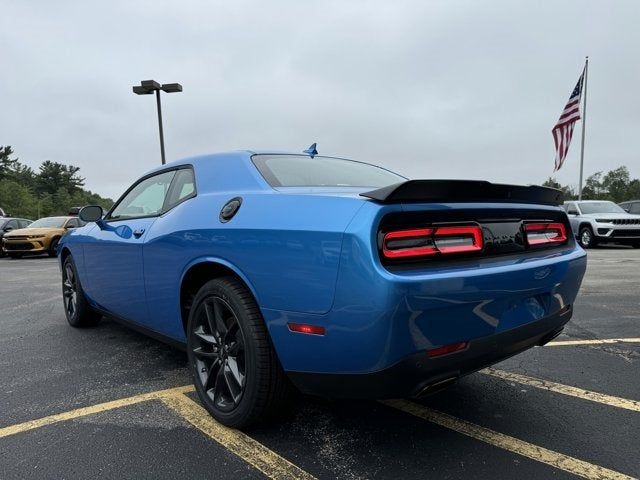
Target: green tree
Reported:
[(54, 175), (633, 190), (593, 188), (567, 191), (616, 183), (7, 164), (52, 191), (16, 199)]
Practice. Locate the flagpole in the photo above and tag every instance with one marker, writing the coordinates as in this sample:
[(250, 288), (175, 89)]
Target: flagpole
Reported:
[(584, 121)]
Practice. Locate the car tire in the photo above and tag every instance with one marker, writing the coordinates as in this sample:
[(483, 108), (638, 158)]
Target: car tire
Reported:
[(586, 238), (53, 247), (235, 368), (76, 307)]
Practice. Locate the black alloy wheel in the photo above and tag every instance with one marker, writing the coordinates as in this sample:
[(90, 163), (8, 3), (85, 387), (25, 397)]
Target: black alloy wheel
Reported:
[(69, 290), (218, 347), (76, 307), (236, 371)]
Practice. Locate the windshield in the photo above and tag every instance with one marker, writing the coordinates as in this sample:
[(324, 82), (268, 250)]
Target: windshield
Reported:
[(49, 222), (3, 223), (304, 171), (600, 207)]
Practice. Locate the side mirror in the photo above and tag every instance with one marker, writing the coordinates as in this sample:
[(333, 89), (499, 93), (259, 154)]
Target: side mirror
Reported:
[(8, 229), (90, 213)]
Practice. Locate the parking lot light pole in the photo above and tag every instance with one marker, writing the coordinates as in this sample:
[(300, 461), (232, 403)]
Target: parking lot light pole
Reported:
[(147, 87)]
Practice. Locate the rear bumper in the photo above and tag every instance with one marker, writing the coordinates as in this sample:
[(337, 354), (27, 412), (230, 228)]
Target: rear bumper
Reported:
[(418, 373)]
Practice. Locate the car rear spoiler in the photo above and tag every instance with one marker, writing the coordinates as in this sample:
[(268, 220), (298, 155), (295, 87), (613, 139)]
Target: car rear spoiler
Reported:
[(468, 191)]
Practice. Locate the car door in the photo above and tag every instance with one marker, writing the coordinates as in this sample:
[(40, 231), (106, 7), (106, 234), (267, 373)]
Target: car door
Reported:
[(113, 250), (11, 225), (71, 224), (572, 213)]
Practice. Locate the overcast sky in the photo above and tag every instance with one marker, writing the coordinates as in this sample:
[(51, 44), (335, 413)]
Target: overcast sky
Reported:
[(447, 89)]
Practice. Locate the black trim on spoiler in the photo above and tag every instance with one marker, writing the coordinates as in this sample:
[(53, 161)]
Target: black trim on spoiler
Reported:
[(445, 191)]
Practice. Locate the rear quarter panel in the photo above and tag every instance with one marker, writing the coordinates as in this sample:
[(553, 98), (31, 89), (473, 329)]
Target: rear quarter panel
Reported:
[(285, 247)]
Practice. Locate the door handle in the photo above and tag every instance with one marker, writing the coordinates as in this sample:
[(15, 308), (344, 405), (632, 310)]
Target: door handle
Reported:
[(138, 233)]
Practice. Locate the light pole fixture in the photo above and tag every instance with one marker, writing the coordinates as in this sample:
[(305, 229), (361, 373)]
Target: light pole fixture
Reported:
[(147, 87)]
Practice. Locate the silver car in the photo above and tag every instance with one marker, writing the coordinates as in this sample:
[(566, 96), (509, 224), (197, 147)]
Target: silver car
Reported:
[(601, 221)]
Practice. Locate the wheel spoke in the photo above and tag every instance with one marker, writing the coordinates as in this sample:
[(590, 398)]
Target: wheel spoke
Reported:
[(218, 310), (236, 347), (236, 375), (232, 329), (218, 385), (212, 376), (198, 352), (232, 386), (205, 337)]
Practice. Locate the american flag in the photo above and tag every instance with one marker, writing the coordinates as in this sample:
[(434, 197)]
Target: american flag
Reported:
[(563, 130)]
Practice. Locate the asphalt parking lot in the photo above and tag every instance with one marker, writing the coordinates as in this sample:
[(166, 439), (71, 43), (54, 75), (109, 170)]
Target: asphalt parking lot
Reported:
[(112, 403)]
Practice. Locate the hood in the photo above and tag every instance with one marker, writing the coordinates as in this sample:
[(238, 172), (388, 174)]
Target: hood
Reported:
[(611, 216), (32, 232)]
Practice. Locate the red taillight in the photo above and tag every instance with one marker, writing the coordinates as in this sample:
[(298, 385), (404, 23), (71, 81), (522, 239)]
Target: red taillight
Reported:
[(545, 233), (424, 242), (304, 328), (454, 347)]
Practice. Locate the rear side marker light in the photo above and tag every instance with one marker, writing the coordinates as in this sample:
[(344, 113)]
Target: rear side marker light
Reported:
[(425, 242), (545, 233), (446, 349), (308, 329)]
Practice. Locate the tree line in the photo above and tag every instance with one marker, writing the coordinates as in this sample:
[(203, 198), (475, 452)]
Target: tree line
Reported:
[(52, 190), (615, 185)]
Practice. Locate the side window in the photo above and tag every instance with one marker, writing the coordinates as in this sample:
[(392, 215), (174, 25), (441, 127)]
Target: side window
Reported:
[(12, 224), (571, 209), (24, 223), (635, 208), (183, 187), (145, 199), (72, 223)]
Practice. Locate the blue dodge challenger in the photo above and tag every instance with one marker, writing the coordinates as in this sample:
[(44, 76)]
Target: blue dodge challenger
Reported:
[(336, 277)]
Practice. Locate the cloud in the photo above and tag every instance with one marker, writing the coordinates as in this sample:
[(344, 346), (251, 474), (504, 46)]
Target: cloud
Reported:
[(450, 89)]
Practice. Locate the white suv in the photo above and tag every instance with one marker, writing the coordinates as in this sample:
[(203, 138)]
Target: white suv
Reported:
[(601, 221)]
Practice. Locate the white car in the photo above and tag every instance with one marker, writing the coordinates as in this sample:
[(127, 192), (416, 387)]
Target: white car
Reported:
[(601, 221)]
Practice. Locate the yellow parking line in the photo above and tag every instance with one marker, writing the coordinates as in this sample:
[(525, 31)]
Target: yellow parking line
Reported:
[(506, 442), (248, 449), (606, 341), (618, 402), (84, 411)]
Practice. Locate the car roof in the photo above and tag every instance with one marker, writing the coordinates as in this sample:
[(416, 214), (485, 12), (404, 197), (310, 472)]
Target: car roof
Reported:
[(230, 171)]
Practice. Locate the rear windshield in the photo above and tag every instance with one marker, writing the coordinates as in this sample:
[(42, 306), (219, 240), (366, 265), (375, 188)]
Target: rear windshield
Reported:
[(600, 207), (304, 171)]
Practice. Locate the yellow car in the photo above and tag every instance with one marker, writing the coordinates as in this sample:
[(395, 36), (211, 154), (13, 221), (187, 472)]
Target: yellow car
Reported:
[(42, 236)]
